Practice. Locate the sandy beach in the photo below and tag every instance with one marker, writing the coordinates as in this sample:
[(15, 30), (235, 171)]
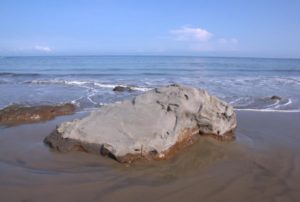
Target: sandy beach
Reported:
[(261, 165), (146, 101)]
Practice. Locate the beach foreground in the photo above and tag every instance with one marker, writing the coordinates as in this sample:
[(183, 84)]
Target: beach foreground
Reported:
[(261, 165)]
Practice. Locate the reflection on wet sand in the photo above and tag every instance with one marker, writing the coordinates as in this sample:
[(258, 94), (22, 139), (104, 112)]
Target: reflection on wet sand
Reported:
[(261, 165)]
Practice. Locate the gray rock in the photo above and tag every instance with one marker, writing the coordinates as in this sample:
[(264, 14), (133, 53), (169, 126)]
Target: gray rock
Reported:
[(275, 97), (122, 88), (153, 125)]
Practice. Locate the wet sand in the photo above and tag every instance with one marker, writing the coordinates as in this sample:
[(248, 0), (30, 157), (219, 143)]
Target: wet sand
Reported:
[(263, 164)]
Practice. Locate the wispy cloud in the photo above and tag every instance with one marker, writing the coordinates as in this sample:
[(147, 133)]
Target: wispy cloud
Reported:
[(45, 49), (191, 34), (199, 39)]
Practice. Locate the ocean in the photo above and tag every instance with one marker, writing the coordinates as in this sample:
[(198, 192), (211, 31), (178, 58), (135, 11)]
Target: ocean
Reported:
[(87, 81)]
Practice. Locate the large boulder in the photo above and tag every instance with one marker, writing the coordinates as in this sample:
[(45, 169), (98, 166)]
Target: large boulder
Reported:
[(153, 125)]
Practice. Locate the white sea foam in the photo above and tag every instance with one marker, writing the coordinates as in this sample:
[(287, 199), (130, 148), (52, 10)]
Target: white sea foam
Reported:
[(293, 81), (90, 95), (241, 89), (243, 101), (57, 81), (4, 81), (144, 89), (274, 104), (75, 101), (235, 101), (271, 110), (79, 83), (101, 85), (85, 84), (285, 104), (115, 85), (288, 103)]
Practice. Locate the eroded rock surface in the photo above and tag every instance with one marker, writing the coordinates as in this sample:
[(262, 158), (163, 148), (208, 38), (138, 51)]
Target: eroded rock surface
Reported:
[(153, 125), (18, 114)]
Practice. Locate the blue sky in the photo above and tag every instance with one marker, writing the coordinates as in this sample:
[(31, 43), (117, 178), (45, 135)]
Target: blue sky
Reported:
[(258, 28)]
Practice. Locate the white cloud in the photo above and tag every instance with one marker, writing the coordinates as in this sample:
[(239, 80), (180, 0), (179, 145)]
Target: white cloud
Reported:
[(45, 49), (191, 34), (198, 39)]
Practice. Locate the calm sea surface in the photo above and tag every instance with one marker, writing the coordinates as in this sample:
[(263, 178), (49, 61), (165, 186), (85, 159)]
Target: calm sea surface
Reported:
[(246, 83)]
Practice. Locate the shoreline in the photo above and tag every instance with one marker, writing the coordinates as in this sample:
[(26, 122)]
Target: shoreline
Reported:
[(269, 110), (265, 156)]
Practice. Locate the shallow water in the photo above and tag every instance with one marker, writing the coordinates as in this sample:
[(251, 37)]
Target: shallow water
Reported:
[(263, 164), (246, 83)]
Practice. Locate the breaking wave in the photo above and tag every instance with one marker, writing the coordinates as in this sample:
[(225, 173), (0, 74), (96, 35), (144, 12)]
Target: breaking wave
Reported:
[(266, 104), (86, 84)]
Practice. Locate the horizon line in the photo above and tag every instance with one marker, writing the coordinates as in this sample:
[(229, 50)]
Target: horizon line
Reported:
[(151, 55)]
